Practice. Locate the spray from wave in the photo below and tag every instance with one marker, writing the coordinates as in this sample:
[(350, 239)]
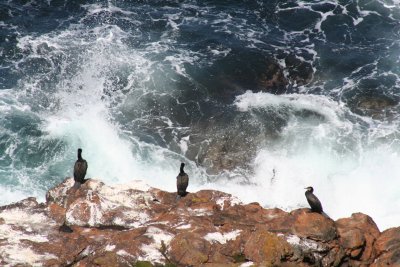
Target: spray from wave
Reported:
[(327, 146), (142, 88)]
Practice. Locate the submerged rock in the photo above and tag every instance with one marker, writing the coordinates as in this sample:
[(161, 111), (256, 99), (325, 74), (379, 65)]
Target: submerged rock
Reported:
[(123, 225)]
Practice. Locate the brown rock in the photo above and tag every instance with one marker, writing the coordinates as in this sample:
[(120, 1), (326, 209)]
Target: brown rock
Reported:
[(56, 212), (81, 213), (388, 248), (110, 259), (162, 198), (219, 265), (29, 202), (313, 225), (357, 236), (278, 220), (117, 226), (266, 247), (189, 249), (352, 239), (335, 257), (58, 194), (66, 247)]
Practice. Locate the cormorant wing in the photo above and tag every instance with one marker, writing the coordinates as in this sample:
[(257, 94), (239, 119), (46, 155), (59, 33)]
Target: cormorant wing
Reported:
[(314, 202), (80, 169)]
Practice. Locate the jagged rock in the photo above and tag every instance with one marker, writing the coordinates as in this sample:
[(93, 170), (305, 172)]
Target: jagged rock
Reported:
[(95, 204), (357, 236), (59, 194), (387, 248), (123, 224)]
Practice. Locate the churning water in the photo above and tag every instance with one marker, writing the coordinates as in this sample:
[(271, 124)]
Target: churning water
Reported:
[(259, 98)]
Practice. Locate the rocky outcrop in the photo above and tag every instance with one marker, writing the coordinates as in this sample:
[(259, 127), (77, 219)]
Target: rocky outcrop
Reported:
[(136, 225), (387, 247)]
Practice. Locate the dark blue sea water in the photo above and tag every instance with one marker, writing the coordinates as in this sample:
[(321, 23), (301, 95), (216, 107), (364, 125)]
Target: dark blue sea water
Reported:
[(259, 98)]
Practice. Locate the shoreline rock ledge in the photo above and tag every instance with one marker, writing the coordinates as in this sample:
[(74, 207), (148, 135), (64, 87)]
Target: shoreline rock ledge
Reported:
[(136, 225)]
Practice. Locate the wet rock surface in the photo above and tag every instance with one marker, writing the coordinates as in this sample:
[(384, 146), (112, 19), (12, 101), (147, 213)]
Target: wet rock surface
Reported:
[(133, 224)]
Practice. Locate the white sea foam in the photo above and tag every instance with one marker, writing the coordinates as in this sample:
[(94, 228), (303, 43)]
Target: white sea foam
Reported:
[(359, 178), (82, 115), (183, 144), (334, 154), (10, 195)]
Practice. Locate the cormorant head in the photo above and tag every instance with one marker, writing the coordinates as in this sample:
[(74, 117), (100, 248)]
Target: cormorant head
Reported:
[(310, 189), (79, 152)]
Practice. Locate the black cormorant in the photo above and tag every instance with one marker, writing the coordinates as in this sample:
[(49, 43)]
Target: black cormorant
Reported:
[(314, 202), (182, 181), (80, 168)]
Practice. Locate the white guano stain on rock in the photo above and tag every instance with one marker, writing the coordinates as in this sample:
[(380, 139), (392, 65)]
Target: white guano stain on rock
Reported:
[(247, 264), (199, 212), (184, 226), (304, 244), (111, 205), (109, 248), (15, 255), (152, 251), (22, 225), (231, 200), (23, 217), (15, 252), (123, 253), (222, 238)]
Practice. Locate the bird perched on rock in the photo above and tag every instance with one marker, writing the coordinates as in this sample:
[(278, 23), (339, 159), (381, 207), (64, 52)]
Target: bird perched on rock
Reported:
[(314, 202), (182, 181), (80, 168)]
